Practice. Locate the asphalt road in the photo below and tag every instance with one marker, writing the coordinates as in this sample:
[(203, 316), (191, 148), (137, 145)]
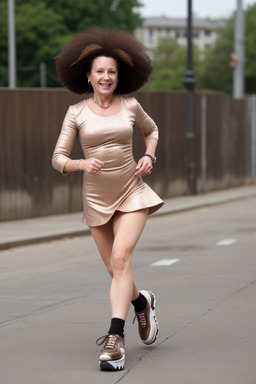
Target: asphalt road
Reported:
[(201, 265)]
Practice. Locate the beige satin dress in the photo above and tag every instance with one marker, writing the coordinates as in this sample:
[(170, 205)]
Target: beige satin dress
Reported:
[(115, 186)]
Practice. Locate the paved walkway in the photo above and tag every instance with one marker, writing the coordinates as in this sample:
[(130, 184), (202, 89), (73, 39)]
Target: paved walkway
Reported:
[(29, 231)]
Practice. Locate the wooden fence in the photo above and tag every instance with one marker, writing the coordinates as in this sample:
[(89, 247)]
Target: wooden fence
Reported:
[(30, 121)]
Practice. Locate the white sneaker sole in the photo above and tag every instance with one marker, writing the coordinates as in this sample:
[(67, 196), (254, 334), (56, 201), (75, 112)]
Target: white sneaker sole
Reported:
[(154, 327), (112, 365)]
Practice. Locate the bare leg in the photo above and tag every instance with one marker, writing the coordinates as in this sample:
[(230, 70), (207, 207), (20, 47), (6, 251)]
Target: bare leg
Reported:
[(127, 230), (116, 241), (104, 237)]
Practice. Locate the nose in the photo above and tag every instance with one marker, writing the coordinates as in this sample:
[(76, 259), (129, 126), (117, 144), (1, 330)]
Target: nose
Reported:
[(106, 75)]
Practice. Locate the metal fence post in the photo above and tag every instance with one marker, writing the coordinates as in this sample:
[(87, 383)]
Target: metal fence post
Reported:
[(253, 137), (204, 142), (42, 75)]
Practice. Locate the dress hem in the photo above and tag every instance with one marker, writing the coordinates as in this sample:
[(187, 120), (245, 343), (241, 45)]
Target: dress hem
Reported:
[(152, 209)]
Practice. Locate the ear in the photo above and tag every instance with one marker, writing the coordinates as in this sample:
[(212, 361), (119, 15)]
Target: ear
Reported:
[(88, 74)]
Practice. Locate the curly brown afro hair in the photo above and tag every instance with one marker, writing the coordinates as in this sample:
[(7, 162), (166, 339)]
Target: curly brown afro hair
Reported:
[(75, 60)]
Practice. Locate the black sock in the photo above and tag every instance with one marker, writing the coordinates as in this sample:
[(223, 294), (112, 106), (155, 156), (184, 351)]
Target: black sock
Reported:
[(140, 303), (117, 327)]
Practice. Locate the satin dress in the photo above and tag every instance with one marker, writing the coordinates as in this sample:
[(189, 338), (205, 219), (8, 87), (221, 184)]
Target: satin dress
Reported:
[(109, 139)]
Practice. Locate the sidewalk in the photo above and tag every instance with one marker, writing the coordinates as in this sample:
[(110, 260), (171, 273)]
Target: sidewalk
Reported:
[(29, 231)]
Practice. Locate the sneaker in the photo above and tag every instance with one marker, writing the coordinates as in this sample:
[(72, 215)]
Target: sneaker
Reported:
[(147, 323), (112, 355)]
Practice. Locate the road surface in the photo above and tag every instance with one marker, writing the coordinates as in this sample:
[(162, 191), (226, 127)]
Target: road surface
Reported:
[(201, 265)]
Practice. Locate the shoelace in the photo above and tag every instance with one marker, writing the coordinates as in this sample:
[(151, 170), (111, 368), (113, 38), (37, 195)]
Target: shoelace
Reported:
[(141, 319), (110, 341)]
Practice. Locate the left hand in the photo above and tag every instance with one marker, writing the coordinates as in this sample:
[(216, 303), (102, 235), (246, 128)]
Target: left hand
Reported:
[(144, 166)]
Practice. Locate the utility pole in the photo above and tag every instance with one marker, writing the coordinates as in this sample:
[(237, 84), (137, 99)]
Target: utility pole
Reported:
[(189, 82), (42, 75), (11, 44), (238, 73)]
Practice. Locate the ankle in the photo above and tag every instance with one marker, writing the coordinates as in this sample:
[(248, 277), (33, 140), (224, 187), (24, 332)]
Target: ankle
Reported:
[(140, 303), (117, 327)]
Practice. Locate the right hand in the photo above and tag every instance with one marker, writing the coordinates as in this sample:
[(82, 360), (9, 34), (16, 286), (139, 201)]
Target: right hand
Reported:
[(91, 165)]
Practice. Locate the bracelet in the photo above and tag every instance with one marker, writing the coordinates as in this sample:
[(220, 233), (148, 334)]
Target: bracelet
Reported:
[(77, 165)]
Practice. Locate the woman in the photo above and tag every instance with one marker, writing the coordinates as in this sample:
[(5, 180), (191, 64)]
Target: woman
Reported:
[(108, 64)]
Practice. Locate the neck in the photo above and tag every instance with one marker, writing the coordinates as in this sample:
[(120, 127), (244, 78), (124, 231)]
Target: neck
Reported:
[(103, 104)]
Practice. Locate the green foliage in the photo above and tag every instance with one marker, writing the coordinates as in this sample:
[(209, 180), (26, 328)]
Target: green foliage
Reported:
[(40, 33), (170, 65), (43, 27), (217, 73), (213, 71), (80, 14)]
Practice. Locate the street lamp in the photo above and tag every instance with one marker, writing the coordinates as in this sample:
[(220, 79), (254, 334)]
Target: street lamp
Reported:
[(189, 82)]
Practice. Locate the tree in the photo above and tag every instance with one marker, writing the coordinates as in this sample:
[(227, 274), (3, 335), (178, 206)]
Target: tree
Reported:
[(169, 61), (82, 14), (40, 34), (170, 65), (45, 26), (213, 71), (217, 73)]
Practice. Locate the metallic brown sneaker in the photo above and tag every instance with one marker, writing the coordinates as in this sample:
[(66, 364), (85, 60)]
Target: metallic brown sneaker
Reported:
[(112, 356), (147, 323)]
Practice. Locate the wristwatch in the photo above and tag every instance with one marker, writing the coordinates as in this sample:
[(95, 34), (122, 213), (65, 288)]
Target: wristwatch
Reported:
[(153, 158)]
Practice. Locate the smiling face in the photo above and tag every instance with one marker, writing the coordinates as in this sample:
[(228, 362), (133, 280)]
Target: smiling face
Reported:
[(103, 76)]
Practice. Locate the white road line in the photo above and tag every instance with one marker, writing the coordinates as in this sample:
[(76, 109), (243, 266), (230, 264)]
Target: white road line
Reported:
[(164, 262), (227, 242)]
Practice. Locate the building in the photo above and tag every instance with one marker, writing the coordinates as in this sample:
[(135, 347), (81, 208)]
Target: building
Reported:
[(205, 32)]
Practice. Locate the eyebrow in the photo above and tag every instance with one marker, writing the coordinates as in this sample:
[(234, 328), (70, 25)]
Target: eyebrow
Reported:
[(110, 69)]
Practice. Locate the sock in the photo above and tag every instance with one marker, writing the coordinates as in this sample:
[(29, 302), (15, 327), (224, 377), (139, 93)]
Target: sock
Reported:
[(117, 327), (140, 303)]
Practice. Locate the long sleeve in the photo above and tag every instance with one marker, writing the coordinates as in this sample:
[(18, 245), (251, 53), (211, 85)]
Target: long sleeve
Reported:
[(145, 123), (65, 142)]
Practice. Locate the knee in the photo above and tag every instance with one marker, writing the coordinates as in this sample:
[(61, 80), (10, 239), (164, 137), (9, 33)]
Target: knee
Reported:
[(119, 261)]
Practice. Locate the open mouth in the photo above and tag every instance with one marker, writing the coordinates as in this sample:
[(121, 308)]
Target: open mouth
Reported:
[(105, 85)]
